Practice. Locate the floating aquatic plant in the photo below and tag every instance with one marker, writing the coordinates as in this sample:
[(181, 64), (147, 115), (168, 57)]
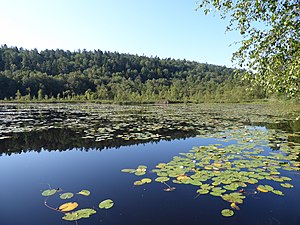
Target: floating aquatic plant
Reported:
[(79, 214), (66, 195), (227, 212), (230, 171), (49, 192), (68, 207), (106, 204), (84, 192)]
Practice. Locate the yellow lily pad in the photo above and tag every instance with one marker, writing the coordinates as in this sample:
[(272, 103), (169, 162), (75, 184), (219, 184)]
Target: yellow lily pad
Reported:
[(69, 206)]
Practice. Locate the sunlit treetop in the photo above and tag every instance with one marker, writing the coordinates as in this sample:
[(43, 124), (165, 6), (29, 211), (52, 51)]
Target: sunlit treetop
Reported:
[(270, 48)]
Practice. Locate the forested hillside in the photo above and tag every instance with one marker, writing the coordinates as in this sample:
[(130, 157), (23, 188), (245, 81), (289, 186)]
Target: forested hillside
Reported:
[(96, 75)]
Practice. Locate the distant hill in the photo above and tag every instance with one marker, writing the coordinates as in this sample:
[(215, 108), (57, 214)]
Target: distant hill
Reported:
[(98, 75)]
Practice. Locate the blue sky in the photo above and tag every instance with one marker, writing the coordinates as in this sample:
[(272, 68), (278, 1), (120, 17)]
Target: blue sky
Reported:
[(163, 28)]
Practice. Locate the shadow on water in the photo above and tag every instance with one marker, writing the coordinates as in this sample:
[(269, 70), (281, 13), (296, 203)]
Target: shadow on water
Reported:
[(63, 139)]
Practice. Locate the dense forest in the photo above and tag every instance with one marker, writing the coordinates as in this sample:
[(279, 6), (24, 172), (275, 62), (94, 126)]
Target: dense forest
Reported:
[(57, 75)]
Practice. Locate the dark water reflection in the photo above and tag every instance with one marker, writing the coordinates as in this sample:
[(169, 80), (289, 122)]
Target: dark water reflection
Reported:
[(68, 138), (63, 139)]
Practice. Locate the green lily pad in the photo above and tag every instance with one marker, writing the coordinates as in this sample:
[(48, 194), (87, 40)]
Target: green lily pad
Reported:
[(84, 192), (79, 214), (139, 173), (217, 194), (227, 212), (49, 192), (66, 195), (128, 170), (146, 180), (106, 204), (277, 192), (234, 197), (138, 183), (269, 188), (287, 185), (202, 191), (162, 179)]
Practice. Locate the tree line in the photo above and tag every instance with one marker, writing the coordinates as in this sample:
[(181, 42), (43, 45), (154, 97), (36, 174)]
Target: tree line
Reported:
[(112, 76)]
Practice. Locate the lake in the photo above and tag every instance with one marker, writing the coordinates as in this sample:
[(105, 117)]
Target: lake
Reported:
[(158, 164)]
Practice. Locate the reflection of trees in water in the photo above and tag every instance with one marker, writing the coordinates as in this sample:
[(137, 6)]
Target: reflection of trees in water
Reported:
[(63, 139), (291, 126), (287, 126), (67, 139)]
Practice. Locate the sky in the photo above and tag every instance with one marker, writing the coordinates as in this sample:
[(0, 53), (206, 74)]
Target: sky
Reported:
[(163, 28)]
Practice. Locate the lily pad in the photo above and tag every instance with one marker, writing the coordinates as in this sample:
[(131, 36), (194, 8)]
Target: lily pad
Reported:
[(138, 183), (146, 180), (84, 192), (217, 194), (262, 188), (277, 192), (69, 206), (287, 185), (79, 214), (162, 179), (49, 192), (227, 212), (106, 204), (139, 173), (66, 195), (128, 170), (202, 191)]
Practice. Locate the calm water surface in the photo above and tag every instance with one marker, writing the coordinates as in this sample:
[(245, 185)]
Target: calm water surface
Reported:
[(24, 175)]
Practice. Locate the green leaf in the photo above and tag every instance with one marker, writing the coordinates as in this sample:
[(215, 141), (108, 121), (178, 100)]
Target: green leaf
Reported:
[(106, 204), (138, 183), (79, 214), (84, 192), (128, 170), (216, 194), (146, 180), (202, 191), (66, 195), (277, 192), (162, 179), (227, 212), (139, 173), (268, 187), (49, 192), (287, 185)]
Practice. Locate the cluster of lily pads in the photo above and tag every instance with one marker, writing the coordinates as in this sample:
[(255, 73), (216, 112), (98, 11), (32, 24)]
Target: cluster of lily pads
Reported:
[(68, 207), (135, 123), (231, 171)]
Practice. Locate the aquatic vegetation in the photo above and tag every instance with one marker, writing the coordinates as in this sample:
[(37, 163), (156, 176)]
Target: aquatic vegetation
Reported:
[(84, 192), (68, 207), (233, 169), (49, 192), (245, 162), (66, 195), (79, 214), (104, 125), (106, 204), (227, 212), (142, 181), (140, 171)]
